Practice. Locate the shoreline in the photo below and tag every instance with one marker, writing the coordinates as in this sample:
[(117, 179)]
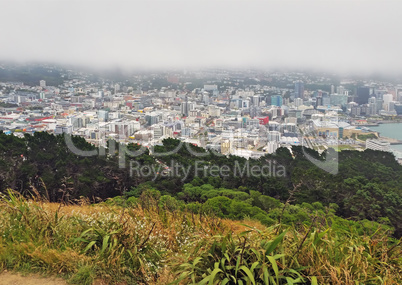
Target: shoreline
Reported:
[(392, 141), (389, 122)]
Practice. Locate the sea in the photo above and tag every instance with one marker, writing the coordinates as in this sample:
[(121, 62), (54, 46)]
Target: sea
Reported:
[(391, 131)]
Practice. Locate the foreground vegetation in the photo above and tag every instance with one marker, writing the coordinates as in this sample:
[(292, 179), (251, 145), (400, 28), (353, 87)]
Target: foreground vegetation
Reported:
[(87, 217), (146, 240), (367, 186)]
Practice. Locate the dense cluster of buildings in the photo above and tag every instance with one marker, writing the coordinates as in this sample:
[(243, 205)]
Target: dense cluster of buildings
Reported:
[(249, 121)]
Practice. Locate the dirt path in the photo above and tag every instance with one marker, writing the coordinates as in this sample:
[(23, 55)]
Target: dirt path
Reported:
[(7, 278)]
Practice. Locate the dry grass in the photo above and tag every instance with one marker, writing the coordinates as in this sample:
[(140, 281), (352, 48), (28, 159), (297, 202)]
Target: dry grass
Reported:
[(135, 245)]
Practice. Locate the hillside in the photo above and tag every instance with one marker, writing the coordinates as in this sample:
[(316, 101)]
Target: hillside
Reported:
[(146, 243), (367, 187), (172, 219)]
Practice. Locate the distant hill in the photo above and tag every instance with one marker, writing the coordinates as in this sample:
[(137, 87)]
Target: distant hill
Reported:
[(31, 75)]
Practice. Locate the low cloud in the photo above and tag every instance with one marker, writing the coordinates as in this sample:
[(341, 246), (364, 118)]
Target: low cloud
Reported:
[(363, 36)]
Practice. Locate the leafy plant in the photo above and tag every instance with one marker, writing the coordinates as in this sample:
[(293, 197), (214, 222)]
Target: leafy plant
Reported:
[(240, 260)]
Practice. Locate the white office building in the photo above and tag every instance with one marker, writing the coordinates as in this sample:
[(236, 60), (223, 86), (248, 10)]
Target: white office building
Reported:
[(378, 145)]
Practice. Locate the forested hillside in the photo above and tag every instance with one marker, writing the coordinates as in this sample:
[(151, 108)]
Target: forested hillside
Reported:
[(368, 186)]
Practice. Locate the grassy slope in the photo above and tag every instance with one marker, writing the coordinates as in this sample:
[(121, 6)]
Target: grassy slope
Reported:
[(134, 245)]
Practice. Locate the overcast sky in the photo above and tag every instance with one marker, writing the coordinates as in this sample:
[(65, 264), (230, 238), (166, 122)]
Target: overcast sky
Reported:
[(333, 35)]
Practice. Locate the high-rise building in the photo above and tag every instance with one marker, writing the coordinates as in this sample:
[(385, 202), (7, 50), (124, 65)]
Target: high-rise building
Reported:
[(318, 101), (398, 108), (62, 129), (42, 83), (272, 147), (399, 97), (379, 104), (391, 106), (76, 122), (186, 132), (298, 102), (226, 146), (355, 111), (277, 100), (152, 118), (338, 99), (236, 103), (387, 98), (124, 128), (205, 98), (372, 104), (186, 107), (158, 131), (103, 115), (340, 90), (362, 95), (214, 111), (326, 99), (299, 89), (274, 136), (256, 100)]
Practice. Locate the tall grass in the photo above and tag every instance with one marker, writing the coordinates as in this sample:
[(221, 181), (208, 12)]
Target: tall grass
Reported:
[(145, 245)]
